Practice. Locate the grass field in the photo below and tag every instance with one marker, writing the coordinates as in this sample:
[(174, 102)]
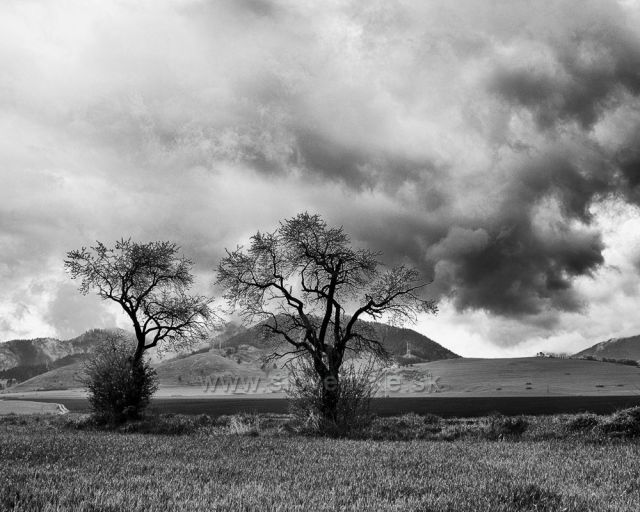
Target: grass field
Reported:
[(47, 466)]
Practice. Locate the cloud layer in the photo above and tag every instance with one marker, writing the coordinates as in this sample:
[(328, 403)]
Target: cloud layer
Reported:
[(483, 143)]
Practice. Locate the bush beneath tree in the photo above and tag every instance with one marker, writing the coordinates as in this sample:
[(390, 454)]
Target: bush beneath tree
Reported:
[(354, 390), (119, 389)]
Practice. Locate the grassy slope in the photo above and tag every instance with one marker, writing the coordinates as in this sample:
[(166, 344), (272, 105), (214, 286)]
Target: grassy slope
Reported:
[(60, 378), (542, 375), (621, 348), (191, 370), (51, 468)]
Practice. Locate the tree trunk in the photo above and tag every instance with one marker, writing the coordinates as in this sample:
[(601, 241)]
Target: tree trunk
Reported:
[(330, 397), (137, 355), (331, 386)]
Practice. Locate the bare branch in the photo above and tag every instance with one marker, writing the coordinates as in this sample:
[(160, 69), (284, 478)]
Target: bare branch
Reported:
[(303, 277), (150, 282)]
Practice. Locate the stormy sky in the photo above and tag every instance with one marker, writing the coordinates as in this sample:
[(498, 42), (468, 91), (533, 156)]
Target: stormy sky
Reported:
[(493, 144)]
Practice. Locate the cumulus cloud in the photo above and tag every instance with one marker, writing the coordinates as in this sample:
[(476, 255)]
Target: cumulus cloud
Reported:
[(475, 141)]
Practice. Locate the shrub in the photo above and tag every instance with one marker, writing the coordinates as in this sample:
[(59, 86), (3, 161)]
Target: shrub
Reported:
[(582, 422), (355, 389), (244, 425), (118, 389), (628, 362), (624, 423), (165, 424), (499, 427)]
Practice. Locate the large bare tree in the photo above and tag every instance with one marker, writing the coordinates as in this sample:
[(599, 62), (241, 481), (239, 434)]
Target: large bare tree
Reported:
[(311, 288), (150, 282)]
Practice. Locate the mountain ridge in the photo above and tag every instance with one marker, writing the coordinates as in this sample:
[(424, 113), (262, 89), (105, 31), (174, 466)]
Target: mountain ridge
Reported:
[(47, 350), (237, 351), (614, 348)]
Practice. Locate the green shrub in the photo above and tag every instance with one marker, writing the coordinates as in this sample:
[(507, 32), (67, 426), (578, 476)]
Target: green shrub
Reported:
[(118, 389)]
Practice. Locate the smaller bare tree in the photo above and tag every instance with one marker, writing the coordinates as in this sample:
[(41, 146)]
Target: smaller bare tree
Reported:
[(150, 282)]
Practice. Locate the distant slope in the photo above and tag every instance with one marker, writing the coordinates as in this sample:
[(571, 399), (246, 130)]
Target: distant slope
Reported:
[(25, 372), (28, 352), (616, 348), (46, 350), (407, 343), (60, 378), (22, 359), (526, 376), (395, 339), (192, 370)]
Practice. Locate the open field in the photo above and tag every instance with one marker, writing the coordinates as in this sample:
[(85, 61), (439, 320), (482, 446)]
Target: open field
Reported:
[(458, 387), (47, 466), (532, 376), (450, 377)]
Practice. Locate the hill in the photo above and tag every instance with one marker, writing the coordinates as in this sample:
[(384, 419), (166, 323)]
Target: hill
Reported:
[(23, 359), (615, 348), (238, 353), (404, 345), (36, 351), (65, 377), (529, 376), (195, 369)]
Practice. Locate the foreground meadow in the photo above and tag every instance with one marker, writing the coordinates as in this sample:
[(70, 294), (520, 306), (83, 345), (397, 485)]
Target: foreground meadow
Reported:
[(52, 463)]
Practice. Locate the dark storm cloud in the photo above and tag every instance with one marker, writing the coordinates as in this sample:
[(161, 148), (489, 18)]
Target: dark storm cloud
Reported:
[(358, 166), (594, 66), (626, 158), (518, 260), (515, 271)]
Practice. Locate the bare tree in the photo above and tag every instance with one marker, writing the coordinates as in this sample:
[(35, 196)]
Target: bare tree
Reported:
[(150, 282), (311, 288)]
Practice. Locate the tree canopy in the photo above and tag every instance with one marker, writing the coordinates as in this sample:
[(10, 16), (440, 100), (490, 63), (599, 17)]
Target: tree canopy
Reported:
[(150, 282), (311, 287)]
